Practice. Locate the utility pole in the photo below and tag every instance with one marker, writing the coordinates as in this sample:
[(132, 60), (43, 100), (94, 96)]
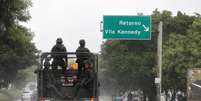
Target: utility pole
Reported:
[(159, 54)]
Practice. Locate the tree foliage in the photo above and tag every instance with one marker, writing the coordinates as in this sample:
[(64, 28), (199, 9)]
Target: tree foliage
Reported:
[(17, 51), (130, 64), (133, 63), (181, 52)]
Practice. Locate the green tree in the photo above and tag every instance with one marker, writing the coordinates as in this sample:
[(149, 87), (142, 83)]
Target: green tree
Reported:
[(133, 63), (130, 66), (181, 52), (16, 48)]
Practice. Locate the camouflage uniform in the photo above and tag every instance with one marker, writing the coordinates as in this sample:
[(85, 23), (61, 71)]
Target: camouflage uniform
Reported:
[(59, 59), (82, 54)]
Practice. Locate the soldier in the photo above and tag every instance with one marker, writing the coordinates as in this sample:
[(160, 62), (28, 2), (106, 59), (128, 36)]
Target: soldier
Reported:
[(59, 59), (82, 54)]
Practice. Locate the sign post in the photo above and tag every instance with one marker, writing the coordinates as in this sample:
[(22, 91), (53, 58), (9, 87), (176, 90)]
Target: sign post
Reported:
[(159, 52), (127, 27)]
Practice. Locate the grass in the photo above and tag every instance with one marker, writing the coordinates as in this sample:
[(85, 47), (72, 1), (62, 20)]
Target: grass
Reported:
[(9, 95)]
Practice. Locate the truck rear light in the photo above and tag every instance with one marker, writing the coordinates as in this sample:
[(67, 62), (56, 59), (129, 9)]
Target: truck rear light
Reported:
[(91, 99), (42, 99)]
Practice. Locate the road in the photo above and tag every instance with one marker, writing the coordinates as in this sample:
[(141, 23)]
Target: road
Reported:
[(18, 100), (197, 85), (195, 93)]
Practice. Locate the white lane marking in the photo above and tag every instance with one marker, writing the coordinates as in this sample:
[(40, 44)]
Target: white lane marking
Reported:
[(196, 85)]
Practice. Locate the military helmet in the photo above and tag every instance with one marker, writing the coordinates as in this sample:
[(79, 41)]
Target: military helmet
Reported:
[(59, 41), (82, 42)]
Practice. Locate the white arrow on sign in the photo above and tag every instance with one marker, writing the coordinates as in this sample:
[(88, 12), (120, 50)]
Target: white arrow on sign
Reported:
[(146, 29)]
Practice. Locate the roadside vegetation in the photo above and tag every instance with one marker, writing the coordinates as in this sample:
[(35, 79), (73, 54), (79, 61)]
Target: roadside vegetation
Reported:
[(15, 91), (17, 51), (132, 64)]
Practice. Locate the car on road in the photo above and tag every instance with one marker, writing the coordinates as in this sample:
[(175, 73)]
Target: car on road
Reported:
[(29, 92), (27, 95)]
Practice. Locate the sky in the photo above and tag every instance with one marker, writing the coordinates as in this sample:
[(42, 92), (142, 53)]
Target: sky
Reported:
[(73, 20)]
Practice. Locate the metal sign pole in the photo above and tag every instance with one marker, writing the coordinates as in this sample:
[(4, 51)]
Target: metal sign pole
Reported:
[(159, 52)]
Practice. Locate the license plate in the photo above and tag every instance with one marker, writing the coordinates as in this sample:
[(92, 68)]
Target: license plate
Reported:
[(67, 81)]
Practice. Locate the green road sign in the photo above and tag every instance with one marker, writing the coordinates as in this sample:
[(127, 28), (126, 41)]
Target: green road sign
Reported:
[(127, 27)]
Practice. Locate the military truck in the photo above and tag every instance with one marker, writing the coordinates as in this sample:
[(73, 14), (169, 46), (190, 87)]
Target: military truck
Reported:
[(59, 85)]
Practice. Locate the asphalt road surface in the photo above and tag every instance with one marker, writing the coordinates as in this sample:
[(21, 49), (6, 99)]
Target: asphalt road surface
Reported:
[(195, 93)]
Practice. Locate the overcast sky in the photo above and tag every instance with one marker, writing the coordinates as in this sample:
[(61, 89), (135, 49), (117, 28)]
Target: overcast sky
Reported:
[(80, 19)]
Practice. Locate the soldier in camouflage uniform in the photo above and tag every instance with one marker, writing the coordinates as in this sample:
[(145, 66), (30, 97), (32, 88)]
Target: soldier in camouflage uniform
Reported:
[(82, 54), (59, 59)]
